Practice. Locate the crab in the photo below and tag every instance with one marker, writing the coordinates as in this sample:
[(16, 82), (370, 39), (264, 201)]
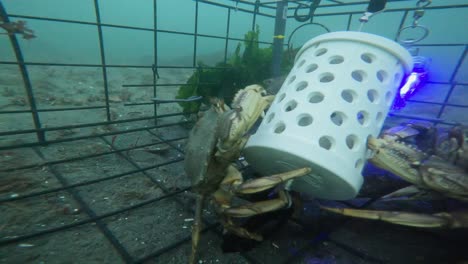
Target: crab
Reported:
[(214, 144), (442, 169), (18, 27)]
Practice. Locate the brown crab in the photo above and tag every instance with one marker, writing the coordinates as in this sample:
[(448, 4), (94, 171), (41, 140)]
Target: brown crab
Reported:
[(442, 169), (18, 27), (215, 142)]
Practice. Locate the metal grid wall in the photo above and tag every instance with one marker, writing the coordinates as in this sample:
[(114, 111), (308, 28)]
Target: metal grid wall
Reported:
[(95, 217)]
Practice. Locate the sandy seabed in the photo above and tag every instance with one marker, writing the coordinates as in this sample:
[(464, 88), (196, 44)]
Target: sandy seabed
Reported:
[(69, 87)]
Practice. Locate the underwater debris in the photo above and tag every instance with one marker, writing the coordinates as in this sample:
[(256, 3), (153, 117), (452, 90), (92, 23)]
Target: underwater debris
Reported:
[(18, 27), (25, 245), (16, 101), (158, 150), (67, 132), (115, 99), (8, 92), (68, 209), (18, 184), (134, 195)]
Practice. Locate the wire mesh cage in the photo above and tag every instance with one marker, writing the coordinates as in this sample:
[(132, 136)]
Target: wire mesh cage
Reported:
[(92, 167)]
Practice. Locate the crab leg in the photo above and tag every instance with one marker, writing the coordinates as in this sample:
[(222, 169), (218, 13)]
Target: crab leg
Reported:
[(265, 183), (439, 220), (239, 231), (233, 182), (196, 228), (257, 208), (409, 190), (250, 210)]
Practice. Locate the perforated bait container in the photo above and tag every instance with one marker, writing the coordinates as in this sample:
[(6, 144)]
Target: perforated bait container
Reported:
[(337, 95)]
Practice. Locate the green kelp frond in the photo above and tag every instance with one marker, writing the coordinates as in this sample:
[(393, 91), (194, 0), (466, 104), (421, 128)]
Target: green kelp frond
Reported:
[(188, 90), (252, 67)]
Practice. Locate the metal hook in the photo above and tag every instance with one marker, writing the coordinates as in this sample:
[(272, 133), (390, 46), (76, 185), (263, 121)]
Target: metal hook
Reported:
[(312, 7), (412, 41), (257, 6)]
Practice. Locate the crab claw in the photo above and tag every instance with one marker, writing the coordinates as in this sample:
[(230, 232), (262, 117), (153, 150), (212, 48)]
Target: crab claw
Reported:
[(397, 158), (247, 106), (439, 220)]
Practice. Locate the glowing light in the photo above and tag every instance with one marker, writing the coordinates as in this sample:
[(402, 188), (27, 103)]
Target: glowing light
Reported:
[(410, 84), (413, 82)]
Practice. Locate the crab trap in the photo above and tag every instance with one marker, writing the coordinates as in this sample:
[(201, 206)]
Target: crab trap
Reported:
[(233, 131)]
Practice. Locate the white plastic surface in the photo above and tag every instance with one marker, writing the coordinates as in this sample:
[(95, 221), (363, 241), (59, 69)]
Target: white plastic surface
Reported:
[(337, 94)]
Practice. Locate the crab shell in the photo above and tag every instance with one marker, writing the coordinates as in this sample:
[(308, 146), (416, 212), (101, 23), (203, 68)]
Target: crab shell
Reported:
[(445, 177), (199, 151)]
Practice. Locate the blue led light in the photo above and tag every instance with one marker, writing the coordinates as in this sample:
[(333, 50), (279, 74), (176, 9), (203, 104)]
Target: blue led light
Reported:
[(413, 81)]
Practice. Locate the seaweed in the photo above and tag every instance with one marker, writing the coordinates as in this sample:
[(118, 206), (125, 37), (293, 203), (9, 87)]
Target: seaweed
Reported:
[(252, 67)]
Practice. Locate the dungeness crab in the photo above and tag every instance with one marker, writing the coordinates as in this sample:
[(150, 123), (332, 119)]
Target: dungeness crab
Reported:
[(442, 168), (214, 143)]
